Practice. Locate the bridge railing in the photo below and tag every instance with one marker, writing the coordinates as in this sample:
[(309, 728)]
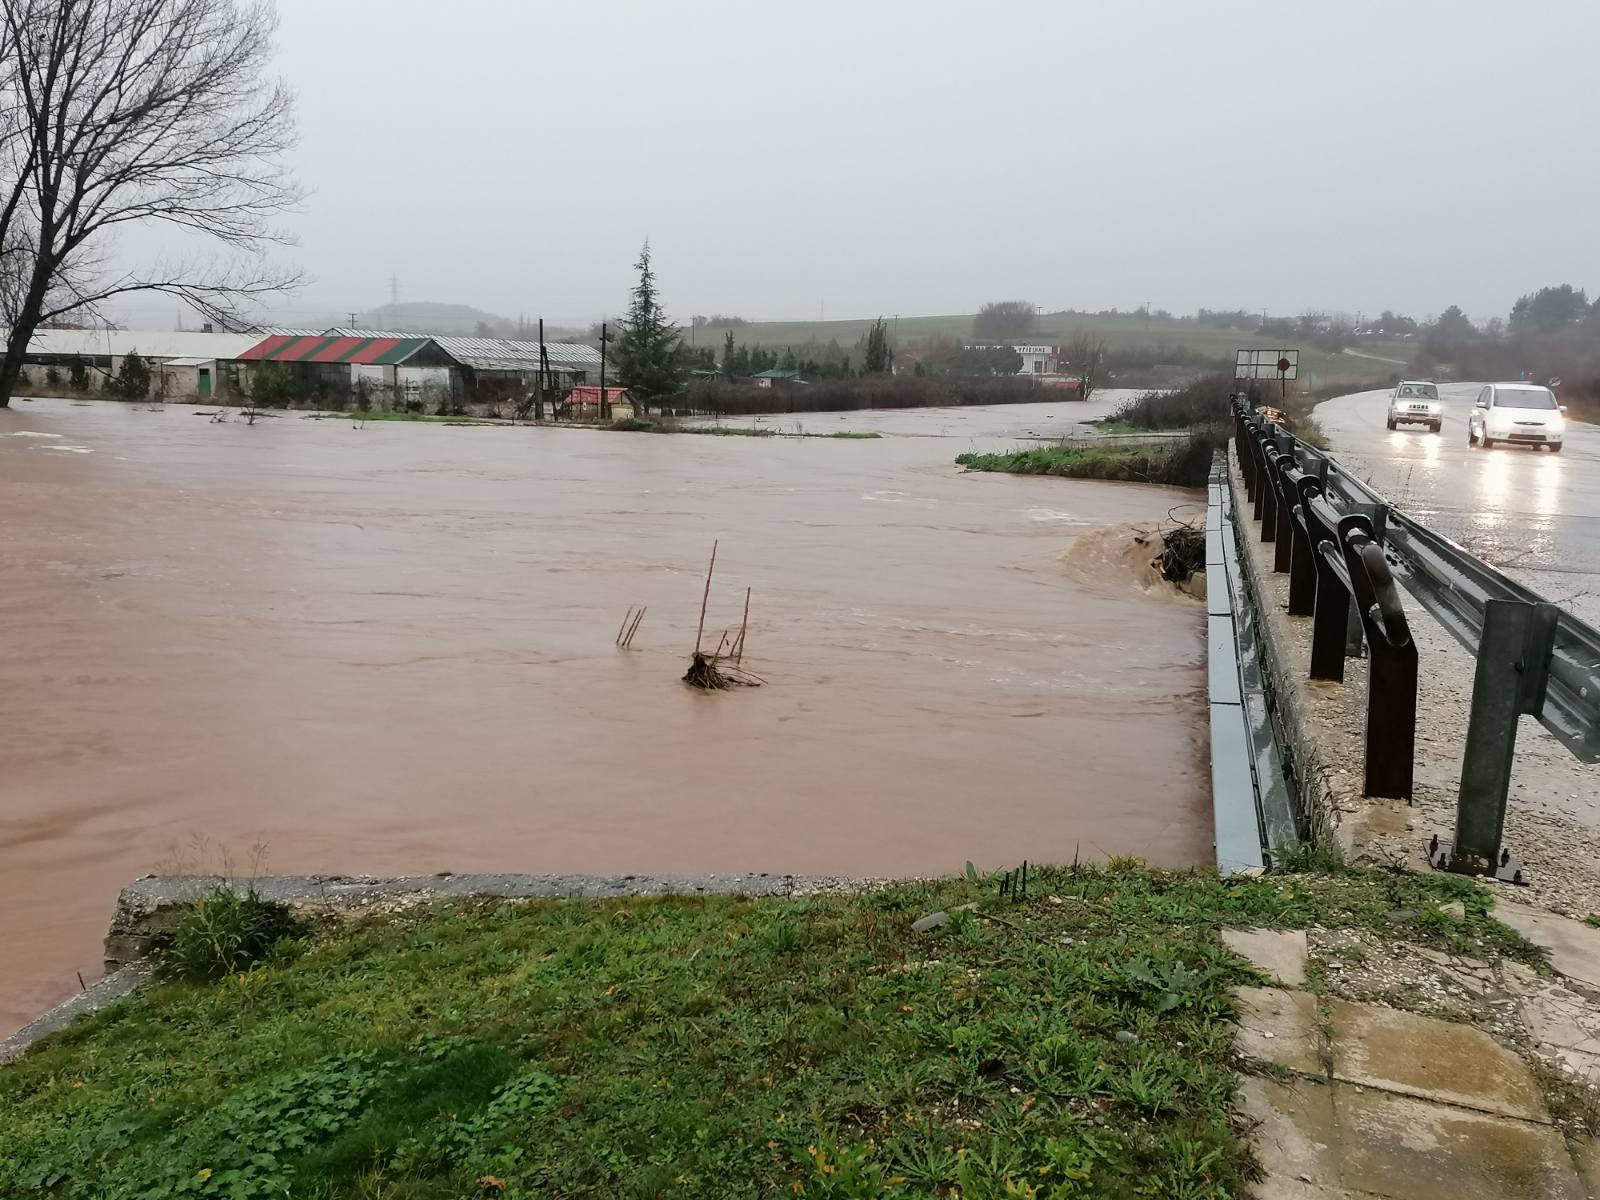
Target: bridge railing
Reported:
[(1339, 541)]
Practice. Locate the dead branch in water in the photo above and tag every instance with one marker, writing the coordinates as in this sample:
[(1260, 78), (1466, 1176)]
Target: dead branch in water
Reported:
[(630, 626), (738, 646), (705, 598)]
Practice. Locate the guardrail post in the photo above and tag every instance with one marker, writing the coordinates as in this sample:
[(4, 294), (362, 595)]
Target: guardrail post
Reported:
[(1511, 679), (1302, 561), (1258, 467), (1283, 535), (1392, 667), (1331, 608), (1241, 438), (1268, 493)]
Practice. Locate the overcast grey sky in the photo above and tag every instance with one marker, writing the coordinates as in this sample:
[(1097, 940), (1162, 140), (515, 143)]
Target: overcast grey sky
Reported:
[(925, 157)]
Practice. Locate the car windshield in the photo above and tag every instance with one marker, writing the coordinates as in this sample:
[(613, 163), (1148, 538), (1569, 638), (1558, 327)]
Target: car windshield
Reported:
[(1525, 398), (1419, 391)]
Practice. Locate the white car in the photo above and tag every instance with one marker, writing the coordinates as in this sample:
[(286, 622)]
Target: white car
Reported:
[(1524, 414), (1415, 402)]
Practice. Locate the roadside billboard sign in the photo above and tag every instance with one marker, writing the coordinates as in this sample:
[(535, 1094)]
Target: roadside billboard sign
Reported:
[(1266, 364)]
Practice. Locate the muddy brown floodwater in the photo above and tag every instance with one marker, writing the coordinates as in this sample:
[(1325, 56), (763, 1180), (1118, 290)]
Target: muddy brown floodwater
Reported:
[(389, 649)]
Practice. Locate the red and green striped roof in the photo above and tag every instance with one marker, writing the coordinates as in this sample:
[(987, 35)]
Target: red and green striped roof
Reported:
[(331, 348)]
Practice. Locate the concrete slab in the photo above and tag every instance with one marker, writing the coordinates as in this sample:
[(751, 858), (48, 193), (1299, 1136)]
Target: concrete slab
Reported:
[(1279, 1027), (1294, 1137), (1587, 1155), (1581, 1064), (1574, 947), (1557, 1016), (1432, 1059), (1406, 1149), (1280, 954)]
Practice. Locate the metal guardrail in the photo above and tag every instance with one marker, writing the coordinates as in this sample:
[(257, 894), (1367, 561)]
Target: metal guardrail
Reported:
[(1332, 559), (1532, 658), (1454, 587)]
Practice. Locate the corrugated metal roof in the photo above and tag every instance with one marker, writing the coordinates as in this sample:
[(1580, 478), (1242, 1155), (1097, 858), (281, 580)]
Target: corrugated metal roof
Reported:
[(341, 331), (332, 348), (503, 354), (161, 344)]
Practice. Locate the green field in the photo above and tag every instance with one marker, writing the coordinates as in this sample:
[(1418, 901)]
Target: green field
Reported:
[(1121, 334)]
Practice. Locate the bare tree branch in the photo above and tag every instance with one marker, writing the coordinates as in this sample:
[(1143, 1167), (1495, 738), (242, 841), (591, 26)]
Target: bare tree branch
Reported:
[(116, 114)]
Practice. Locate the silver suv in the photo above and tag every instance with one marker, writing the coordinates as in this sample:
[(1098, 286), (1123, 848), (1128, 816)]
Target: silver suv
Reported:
[(1415, 402)]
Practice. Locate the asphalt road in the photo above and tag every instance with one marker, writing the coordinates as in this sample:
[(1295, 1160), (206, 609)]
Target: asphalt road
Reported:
[(1533, 514)]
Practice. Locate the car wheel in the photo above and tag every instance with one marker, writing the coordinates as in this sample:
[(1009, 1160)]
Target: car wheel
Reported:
[(1472, 438), (1486, 442), (1390, 422), (1438, 425), (1555, 447)]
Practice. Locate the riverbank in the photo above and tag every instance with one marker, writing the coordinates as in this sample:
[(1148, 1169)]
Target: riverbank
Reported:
[(909, 1040), (1184, 462)]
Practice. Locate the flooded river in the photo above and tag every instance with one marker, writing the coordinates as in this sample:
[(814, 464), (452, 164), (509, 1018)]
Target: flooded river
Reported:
[(389, 649)]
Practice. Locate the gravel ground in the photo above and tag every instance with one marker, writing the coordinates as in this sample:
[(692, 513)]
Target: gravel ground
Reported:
[(1553, 819)]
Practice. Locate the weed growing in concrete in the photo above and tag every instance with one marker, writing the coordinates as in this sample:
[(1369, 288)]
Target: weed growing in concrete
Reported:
[(229, 931)]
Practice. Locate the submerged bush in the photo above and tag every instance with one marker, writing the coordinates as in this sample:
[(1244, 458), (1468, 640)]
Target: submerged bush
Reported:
[(227, 932)]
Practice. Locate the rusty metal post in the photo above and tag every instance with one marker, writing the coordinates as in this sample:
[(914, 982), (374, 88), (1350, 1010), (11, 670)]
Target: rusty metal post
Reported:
[(1392, 669), (1241, 440), (1302, 561), (1283, 548), (1512, 677), (1331, 606), (1268, 493), (1328, 618), (1258, 466)]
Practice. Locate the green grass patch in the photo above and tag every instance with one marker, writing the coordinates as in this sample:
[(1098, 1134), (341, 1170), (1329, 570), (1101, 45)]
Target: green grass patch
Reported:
[(1075, 1044), (1184, 464)]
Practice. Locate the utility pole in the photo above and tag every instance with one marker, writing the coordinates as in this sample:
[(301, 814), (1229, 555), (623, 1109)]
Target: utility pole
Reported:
[(604, 407), (352, 317), (394, 290), (538, 396)]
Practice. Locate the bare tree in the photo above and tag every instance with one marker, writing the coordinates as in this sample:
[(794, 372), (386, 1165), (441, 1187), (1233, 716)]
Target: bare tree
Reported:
[(1086, 354), (121, 114)]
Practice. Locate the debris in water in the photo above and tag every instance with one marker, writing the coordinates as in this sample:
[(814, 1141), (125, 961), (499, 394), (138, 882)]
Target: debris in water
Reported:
[(718, 671), (715, 674), (630, 626), (1183, 552)]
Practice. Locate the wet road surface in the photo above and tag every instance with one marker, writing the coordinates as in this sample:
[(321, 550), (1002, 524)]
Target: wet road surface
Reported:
[(1533, 514), (389, 649)]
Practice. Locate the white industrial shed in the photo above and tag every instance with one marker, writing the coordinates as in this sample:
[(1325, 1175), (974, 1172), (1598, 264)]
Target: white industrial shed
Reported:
[(182, 363)]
